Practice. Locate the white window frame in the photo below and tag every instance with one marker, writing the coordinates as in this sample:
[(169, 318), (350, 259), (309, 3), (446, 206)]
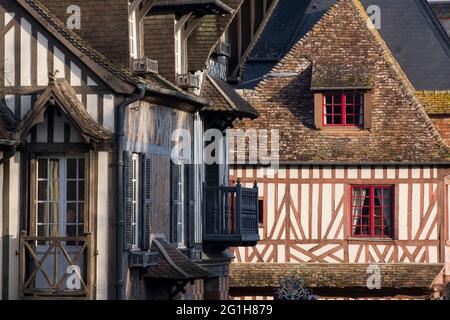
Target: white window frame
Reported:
[(179, 52), (135, 200), (133, 35), (62, 197)]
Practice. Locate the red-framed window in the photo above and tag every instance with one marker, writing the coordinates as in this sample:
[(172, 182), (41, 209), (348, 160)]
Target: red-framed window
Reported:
[(372, 211), (343, 109)]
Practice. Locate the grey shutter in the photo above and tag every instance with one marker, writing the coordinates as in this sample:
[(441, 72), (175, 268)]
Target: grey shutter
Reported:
[(33, 193), (174, 202), (147, 204), (128, 195), (190, 185)]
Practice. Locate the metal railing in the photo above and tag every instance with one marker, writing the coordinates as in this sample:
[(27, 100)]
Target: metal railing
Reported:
[(55, 266)]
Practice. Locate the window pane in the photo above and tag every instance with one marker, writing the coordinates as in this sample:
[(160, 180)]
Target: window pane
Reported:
[(71, 213), (80, 230), (328, 110), (349, 109), (337, 120), (350, 120), (366, 231), (338, 110), (71, 191), (42, 213), (54, 169), (81, 212), (42, 191), (71, 231), (42, 169), (81, 190), (328, 99), (71, 168), (378, 231), (42, 231), (81, 168), (54, 230), (54, 212), (54, 190)]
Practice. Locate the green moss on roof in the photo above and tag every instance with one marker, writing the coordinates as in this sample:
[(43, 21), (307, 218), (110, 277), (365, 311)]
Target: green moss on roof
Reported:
[(435, 102)]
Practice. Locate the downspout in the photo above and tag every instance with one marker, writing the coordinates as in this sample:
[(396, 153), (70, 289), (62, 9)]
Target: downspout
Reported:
[(120, 202)]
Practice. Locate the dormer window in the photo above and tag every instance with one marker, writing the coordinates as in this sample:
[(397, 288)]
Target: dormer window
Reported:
[(345, 109)]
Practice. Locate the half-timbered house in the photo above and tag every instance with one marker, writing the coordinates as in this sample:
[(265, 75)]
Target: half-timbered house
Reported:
[(362, 188), (92, 205)]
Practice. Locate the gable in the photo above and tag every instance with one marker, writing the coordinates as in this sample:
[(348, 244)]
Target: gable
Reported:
[(401, 131)]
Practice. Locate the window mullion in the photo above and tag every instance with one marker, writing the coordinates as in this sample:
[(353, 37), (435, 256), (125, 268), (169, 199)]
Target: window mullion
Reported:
[(344, 109), (372, 211)]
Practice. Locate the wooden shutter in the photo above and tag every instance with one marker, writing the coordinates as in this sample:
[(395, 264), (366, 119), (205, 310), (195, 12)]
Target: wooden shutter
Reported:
[(318, 110), (368, 96), (190, 196), (33, 197), (175, 171), (128, 195), (147, 204)]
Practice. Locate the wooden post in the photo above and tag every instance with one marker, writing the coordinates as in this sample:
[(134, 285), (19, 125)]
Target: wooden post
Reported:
[(90, 294), (22, 266)]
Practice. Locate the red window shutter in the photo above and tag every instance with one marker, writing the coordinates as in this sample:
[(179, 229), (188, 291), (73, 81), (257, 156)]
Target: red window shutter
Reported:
[(368, 96), (318, 110)]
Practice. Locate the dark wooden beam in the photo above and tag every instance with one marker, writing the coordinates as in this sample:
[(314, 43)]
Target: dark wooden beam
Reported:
[(145, 9)]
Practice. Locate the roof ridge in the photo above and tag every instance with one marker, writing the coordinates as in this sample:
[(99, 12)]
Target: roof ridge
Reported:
[(121, 72), (403, 79)]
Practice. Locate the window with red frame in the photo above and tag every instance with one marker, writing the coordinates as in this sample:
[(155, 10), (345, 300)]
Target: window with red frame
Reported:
[(372, 211), (343, 109)]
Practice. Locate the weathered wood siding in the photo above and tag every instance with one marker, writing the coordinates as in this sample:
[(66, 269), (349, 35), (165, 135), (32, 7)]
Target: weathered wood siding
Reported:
[(149, 130), (307, 214)]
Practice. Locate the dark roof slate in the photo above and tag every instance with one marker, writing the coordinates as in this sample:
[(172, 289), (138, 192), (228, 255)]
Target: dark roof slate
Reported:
[(224, 98), (66, 99), (290, 21), (417, 40), (409, 27)]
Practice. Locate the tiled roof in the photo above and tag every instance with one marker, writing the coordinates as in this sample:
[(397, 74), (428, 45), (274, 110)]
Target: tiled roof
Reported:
[(340, 76), (410, 29), (173, 265), (66, 99), (290, 21), (223, 97), (89, 55), (342, 275), (400, 131), (435, 102)]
